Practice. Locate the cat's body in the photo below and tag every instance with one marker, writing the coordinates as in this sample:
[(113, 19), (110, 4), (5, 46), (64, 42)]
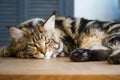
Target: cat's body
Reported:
[(73, 36), (91, 39)]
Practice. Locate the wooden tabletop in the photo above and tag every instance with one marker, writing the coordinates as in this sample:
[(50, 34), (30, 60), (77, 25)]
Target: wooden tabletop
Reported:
[(56, 69)]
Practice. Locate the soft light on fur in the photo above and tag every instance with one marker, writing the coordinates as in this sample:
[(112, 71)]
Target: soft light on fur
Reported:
[(82, 38)]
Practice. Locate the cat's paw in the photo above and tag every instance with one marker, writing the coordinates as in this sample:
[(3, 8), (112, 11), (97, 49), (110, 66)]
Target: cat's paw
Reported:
[(79, 55), (114, 59), (4, 52)]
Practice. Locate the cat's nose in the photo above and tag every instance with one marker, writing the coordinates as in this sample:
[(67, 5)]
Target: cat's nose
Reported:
[(43, 52)]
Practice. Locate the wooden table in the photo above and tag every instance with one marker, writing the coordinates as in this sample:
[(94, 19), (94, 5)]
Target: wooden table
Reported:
[(56, 69)]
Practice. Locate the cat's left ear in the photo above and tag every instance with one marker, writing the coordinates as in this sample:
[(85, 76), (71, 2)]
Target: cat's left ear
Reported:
[(50, 23), (15, 33)]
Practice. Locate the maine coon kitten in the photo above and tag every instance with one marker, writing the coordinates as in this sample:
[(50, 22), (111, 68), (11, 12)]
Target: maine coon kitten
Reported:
[(80, 39), (35, 40)]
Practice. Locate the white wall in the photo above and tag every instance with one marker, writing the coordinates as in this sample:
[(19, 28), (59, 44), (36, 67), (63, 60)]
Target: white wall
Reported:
[(97, 9)]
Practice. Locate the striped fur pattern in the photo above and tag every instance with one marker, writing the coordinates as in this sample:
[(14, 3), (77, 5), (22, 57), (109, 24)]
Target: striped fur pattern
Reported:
[(90, 39), (79, 38), (34, 38)]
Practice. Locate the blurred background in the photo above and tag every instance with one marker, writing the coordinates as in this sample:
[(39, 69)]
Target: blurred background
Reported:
[(105, 10), (13, 12)]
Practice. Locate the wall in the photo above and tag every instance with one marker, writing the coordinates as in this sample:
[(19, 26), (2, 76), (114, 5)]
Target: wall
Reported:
[(97, 9)]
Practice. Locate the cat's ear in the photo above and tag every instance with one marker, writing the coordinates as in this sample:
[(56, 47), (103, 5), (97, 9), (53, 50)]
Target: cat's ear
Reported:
[(50, 23), (15, 33)]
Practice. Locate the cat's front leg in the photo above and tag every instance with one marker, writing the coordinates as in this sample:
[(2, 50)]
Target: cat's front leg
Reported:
[(80, 55), (114, 58), (5, 52)]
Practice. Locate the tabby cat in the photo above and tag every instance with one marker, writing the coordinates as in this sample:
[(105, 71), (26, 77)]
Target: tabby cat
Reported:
[(79, 38), (35, 38)]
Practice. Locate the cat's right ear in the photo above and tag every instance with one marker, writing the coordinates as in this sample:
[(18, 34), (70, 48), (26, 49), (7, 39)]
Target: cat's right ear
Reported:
[(49, 24), (15, 33)]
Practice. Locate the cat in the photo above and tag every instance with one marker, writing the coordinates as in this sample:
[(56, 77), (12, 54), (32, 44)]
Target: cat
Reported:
[(79, 38), (34, 42)]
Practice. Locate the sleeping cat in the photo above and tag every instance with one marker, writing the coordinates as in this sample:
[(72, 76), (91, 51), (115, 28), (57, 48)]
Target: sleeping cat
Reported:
[(29, 41), (78, 38)]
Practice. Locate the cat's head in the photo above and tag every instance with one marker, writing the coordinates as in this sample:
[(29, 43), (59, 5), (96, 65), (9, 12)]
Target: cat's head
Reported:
[(39, 42)]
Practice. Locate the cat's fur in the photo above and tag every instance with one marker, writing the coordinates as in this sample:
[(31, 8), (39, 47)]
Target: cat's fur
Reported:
[(81, 39), (29, 41)]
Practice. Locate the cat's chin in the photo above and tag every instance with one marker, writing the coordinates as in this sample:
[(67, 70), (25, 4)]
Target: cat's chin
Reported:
[(48, 54), (40, 56)]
